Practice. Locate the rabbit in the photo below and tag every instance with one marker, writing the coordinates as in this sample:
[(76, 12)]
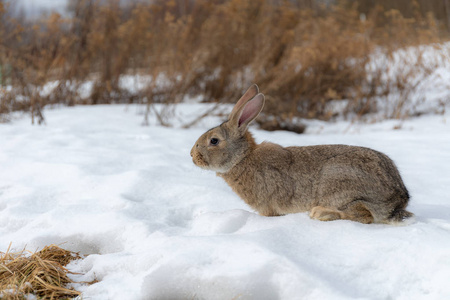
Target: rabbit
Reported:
[(332, 182)]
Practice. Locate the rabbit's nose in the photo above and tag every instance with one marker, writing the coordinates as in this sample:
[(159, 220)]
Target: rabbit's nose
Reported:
[(192, 150)]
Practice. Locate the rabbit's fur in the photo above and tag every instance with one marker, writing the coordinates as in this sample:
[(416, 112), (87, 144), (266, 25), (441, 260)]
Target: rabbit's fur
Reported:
[(331, 181)]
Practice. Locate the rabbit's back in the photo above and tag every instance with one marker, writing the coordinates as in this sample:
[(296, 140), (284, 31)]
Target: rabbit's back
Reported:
[(277, 180), (349, 174)]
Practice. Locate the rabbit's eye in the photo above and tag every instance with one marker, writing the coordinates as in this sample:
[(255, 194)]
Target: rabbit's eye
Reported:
[(214, 141)]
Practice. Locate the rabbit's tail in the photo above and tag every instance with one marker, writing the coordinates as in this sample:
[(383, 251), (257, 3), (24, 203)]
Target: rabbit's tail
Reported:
[(400, 216)]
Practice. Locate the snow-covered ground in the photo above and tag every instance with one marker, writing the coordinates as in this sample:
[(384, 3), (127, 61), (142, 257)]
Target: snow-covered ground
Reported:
[(154, 226), (34, 8)]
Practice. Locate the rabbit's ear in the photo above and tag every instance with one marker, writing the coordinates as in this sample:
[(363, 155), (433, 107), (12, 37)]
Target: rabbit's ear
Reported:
[(250, 111), (249, 94)]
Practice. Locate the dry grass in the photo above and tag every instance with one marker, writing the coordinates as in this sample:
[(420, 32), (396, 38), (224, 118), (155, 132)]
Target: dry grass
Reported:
[(42, 274), (302, 54)]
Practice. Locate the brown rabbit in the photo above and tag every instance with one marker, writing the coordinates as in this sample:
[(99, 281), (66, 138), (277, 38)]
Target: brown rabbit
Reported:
[(331, 181)]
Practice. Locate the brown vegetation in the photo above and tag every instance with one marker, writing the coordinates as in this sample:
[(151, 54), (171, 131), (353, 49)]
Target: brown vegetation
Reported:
[(303, 55), (42, 274)]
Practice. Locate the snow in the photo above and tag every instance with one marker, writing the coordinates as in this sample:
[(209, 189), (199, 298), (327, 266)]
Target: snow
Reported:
[(33, 8), (154, 226), (427, 70)]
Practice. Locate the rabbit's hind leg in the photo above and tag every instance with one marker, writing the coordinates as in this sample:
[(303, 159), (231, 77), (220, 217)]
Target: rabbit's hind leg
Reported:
[(325, 214), (354, 211), (357, 211)]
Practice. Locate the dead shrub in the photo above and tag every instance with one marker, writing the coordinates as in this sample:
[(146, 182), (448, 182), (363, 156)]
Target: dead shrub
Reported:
[(306, 57)]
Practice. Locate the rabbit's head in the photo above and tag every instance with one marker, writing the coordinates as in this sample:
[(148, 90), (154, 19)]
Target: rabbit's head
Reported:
[(222, 147)]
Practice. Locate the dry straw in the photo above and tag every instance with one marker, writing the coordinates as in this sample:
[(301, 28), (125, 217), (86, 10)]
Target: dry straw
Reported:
[(42, 274)]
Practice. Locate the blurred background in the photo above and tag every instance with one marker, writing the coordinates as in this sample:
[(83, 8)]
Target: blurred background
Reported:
[(314, 59)]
